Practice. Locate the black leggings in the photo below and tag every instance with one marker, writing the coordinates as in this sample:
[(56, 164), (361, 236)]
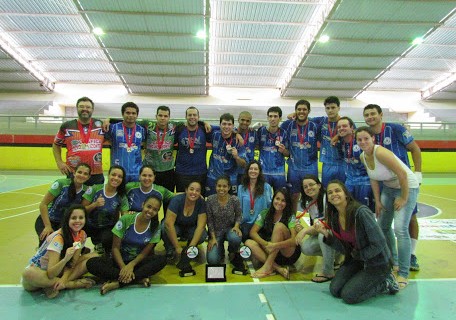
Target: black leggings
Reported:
[(39, 227), (106, 268)]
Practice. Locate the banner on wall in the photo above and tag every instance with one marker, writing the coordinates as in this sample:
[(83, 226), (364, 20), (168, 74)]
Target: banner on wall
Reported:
[(437, 229)]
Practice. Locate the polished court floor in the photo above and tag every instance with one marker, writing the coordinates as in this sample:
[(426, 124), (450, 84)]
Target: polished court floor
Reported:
[(429, 295)]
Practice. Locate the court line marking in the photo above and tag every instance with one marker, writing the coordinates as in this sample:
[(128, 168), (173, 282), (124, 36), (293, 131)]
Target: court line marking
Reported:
[(15, 190), (430, 195), (32, 204), (252, 270), (19, 214), (281, 282)]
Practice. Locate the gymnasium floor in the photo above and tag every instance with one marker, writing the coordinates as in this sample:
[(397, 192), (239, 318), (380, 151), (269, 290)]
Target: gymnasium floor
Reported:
[(428, 296)]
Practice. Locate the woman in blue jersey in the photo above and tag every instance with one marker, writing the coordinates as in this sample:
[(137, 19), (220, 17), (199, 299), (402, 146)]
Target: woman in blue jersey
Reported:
[(60, 196), (58, 264), (137, 192), (135, 236), (313, 202), (255, 195), (186, 216), (104, 204), (273, 237)]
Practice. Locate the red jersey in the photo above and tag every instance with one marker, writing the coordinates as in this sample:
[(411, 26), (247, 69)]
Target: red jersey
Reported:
[(84, 143)]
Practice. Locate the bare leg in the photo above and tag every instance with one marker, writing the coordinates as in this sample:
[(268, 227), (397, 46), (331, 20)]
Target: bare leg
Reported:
[(280, 233), (33, 278), (109, 286), (294, 200)]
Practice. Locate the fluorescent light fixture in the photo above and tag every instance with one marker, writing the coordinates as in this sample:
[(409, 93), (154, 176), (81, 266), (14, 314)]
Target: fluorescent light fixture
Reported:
[(417, 41), (201, 34), (438, 86), (324, 38), (98, 31), (21, 57)]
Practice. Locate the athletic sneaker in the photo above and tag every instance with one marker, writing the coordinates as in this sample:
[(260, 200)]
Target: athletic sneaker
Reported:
[(392, 287), (414, 266)]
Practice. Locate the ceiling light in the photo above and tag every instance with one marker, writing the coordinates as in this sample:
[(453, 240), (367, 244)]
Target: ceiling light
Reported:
[(324, 38), (98, 31), (417, 41), (201, 34)]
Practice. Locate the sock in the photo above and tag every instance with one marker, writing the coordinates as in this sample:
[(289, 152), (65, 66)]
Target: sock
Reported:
[(413, 245)]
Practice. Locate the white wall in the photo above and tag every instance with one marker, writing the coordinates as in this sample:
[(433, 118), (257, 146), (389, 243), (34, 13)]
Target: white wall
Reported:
[(108, 99)]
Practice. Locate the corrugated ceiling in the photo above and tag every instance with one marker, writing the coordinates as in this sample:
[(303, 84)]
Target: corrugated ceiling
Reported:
[(151, 47)]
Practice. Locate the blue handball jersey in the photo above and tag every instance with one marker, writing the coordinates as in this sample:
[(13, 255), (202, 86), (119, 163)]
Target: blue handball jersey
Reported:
[(136, 197), (302, 144), (249, 143), (127, 157), (60, 190), (107, 215), (329, 154), (221, 161), (354, 168), (271, 160), (191, 162), (395, 137)]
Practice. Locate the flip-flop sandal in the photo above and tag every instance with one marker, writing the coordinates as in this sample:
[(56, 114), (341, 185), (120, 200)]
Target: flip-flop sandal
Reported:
[(402, 284), (260, 275), (325, 278), (286, 272)]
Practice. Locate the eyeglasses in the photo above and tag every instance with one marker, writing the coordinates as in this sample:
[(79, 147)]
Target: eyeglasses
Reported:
[(310, 185)]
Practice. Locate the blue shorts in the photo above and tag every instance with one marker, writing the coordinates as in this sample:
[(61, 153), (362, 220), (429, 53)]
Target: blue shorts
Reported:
[(295, 177), (331, 172), (210, 185), (362, 193), (276, 181)]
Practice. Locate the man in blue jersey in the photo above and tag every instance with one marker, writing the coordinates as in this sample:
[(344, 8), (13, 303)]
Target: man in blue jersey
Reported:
[(249, 137), (398, 139), (273, 144), (357, 181), (330, 155), (126, 139), (191, 151), (227, 155), (302, 145)]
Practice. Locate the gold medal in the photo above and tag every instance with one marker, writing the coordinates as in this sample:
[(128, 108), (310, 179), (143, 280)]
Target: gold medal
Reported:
[(191, 150)]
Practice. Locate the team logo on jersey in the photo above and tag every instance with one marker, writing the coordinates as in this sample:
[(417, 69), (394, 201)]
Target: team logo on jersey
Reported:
[(98, 123), (407, 134), (251, 139), (356, 148), (97, 158), (58, 245), (119, 133), (119, 225), (387, 141), (55, 185), (167, 156), (138, 135), (311, 134), (89, 190)]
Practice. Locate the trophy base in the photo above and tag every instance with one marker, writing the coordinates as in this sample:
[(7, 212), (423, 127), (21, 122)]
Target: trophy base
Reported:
[(239, 272), (187, 273)]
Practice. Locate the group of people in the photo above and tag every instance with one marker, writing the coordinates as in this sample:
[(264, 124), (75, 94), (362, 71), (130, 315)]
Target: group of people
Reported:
[(366, 184)]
